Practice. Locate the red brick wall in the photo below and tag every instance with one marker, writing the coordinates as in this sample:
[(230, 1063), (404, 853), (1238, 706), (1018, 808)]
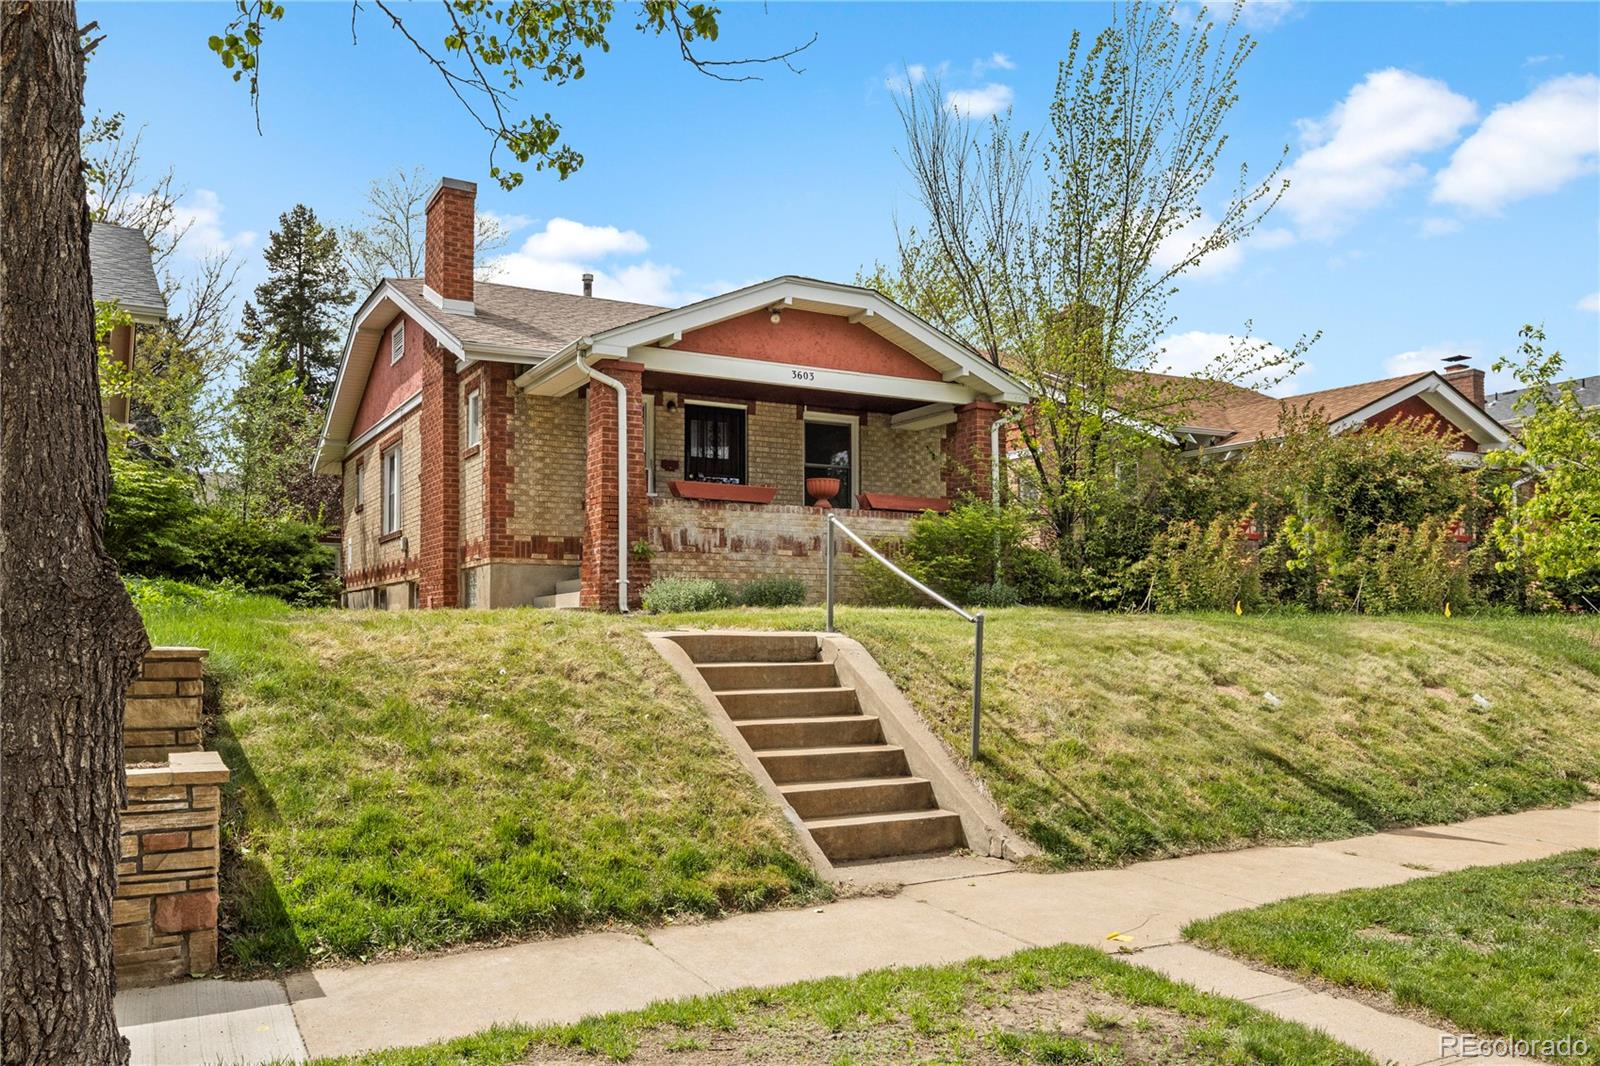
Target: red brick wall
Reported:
[(1418, 410), (968, 467), (389, 386), (447, 258), (599, 570), (808, 338), (438, 583)]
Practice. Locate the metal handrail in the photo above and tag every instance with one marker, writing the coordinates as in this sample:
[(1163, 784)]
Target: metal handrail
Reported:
[(833, 523)]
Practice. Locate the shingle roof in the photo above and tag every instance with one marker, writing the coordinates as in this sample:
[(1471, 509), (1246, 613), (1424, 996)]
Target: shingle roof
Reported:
[(1509, 406), (1256, 419), (119, 264), (1204, 403), (511, 317)]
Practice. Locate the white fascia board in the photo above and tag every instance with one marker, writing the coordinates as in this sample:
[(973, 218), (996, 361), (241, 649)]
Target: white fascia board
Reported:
[(929, 416), (794, 375), (1444, 398), (384, 424)]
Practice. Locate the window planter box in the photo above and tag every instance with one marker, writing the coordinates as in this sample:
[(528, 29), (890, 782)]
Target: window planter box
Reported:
[(888, 501), (713, 490)]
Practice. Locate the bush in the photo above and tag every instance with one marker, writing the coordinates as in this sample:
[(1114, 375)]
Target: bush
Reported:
[(150, 513), (1192, 568), (974, 554), (995, 594), (773, 591), (1401, 569), (671, 595), (277, 556)]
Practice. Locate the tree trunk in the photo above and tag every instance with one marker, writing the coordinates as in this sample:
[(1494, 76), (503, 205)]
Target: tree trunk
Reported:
[(70, 641)]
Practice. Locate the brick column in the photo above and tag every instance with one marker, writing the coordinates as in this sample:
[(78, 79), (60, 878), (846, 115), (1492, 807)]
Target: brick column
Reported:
[(600, 547), (966, 450), (439, 563), (499, 406)]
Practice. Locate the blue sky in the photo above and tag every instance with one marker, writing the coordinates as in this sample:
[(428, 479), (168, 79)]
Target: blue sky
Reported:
[(1444, 156)]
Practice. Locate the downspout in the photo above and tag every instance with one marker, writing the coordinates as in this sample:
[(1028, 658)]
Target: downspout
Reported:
[(622, 469), (994, 479)]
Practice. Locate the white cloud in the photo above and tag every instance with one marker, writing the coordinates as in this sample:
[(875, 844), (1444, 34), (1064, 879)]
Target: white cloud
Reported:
[(506, 223), (907, 77), (1439, 227), (199, 219), (1534, 145), (1265, 14), (1180, 243), (1590, 302), (557, 256), (979, 103), (1367, 146), (1200, 352), (996, 61)]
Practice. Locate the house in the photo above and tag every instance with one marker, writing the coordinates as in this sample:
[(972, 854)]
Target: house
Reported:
[(1512, 406), (121, 273), (502, 445), (1226, 419)]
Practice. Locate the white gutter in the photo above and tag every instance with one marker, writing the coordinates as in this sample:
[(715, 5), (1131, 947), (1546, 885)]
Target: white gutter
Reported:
[(622, 469)]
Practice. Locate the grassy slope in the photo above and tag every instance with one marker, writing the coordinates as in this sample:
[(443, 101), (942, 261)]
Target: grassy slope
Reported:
[(938, 1009), (1506, 951), (1115, 737), (420, 780)]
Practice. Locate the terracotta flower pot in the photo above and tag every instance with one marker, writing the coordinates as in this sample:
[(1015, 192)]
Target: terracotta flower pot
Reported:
[(823, 489)]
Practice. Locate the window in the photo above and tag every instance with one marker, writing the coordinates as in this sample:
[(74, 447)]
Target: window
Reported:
[(713, 443), (830, 451), (474, 418), (361, 470), (391, 490), (397, 342)]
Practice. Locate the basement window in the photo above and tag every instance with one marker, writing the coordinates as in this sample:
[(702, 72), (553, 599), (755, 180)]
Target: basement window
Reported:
[(397, 342), (391, 490), (714, 443), (474, 418)]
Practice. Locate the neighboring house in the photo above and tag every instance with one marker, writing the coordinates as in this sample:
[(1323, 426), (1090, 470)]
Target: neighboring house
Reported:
[(121, 272), (485, 464), (1512, 406), (1229, 418)]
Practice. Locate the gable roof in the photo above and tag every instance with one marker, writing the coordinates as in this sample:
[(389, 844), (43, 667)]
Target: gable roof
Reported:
[(120, 267), (1511, 405), (512, 319)]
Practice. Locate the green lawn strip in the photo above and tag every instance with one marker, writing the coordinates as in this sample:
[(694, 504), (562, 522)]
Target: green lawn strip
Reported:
[(1109, 738), (942, 1007), (408, 781), (1508, 951)]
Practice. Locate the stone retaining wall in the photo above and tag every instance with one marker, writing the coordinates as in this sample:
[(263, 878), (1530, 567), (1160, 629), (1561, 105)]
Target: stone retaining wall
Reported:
[(164, 916), (162, 712)]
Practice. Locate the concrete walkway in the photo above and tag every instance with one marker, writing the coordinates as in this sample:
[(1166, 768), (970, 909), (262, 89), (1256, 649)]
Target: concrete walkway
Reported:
[(971, 910)]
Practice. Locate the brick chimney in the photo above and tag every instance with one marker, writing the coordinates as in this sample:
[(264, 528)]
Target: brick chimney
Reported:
[(1468, 381), (447, 255)]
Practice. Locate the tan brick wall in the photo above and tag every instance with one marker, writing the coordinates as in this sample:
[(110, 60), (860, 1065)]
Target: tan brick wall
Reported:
[(369, 560), (161, 712), (473, 525), (738, 542), (906, 464), (548, 465), (164, 914)]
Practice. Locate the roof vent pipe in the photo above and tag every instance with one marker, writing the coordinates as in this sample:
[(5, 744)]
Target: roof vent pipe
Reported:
[(588, 284)]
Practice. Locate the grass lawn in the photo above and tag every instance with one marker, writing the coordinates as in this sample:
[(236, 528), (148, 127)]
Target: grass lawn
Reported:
[(1052, 1005), (418, 780), (1110, 737), (1510, 951)]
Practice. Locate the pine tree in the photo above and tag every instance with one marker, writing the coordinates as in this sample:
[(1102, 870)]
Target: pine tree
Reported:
[(297, 316)]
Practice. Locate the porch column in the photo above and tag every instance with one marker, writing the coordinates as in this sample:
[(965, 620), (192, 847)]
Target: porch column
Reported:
[(439, 554), (601, 548), (966, 450)]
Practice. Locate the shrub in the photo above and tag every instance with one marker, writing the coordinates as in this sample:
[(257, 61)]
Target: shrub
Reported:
[(150, 513), (671, 595), (1206, 569), (773, 590), (1403, 569), (976, 553), (994, 594), (277, 556)]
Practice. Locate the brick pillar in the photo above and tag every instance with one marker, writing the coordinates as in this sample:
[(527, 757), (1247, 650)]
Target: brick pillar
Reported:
[(600, 547), (439, 564), (966, 450), (1468, 381), (450, 229), (499, 405)]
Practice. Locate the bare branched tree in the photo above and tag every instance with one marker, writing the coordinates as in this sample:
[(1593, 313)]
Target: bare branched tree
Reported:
[(389, 242), (1057, 260)]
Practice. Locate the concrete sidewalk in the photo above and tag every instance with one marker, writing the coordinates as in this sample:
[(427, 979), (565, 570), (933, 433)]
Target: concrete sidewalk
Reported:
[(977, 912)]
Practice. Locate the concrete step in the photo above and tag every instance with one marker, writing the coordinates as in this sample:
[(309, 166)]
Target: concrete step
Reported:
[(724, 676), (815, 731), (571, 585), (745, 704), (872, 836), (869, 795), (564, 600), (845, 762), (748, 647)]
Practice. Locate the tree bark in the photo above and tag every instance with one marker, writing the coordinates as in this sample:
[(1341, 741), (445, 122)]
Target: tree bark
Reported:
[(70, 640)]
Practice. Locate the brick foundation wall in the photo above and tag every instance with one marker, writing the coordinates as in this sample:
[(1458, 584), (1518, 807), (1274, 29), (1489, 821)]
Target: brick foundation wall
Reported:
[(738, 542), (161, 713)]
